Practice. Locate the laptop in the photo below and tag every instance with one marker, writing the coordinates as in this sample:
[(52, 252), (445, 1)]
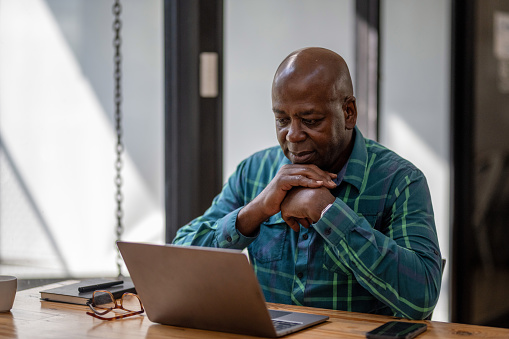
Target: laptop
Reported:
[(206, 288)]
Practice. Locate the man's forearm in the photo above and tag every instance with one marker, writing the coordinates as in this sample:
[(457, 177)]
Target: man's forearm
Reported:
[(250, 218)]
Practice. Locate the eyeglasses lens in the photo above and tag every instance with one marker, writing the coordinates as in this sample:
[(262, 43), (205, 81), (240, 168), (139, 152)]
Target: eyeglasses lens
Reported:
[(103, 301), (131, 303)]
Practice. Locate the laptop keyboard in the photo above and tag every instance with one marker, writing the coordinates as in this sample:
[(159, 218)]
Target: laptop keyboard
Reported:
[(283, 325)]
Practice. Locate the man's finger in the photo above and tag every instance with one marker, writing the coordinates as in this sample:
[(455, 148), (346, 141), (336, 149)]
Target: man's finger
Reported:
[(312, 172), (294, 225), (304, 222), (302, 181)]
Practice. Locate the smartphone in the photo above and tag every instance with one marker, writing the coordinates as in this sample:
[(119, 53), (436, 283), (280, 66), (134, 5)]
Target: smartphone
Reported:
[(397, 329)]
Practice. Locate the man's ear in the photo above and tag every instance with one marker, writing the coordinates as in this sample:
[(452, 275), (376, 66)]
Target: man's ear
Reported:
[(350, 110)]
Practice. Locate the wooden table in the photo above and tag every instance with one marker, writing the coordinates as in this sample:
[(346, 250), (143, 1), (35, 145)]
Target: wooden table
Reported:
[(32, 318)]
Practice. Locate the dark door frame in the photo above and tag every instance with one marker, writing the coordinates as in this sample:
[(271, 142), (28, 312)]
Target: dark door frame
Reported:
[(462, 115), (193, 123)]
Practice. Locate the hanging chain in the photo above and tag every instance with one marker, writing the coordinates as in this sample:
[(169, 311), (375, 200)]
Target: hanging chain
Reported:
[(117, 41)]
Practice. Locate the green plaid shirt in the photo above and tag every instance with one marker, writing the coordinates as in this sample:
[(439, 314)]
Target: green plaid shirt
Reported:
[(374, 251)]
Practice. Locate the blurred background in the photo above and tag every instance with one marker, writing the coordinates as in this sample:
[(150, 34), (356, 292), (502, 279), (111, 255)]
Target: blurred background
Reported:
[(431, 80)]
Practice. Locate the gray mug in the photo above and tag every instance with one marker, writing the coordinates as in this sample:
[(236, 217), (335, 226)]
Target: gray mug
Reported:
[(8, 286)]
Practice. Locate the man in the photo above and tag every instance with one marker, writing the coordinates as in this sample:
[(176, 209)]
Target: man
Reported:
[(330, 219)]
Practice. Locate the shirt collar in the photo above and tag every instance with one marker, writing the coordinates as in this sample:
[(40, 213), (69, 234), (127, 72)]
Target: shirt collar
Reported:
[(356, 164), (341, 175)]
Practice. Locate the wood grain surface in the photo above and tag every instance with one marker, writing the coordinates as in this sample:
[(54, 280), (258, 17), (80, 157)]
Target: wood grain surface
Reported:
[(32, 318)]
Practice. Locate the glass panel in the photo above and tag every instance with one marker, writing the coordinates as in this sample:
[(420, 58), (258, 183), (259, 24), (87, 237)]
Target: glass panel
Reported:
[(489, 267)]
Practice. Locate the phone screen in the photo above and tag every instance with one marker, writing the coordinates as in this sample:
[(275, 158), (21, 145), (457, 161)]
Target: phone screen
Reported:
[(397, 329)]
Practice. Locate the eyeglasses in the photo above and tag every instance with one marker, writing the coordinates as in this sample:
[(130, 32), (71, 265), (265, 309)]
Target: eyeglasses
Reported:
[(103, 302)]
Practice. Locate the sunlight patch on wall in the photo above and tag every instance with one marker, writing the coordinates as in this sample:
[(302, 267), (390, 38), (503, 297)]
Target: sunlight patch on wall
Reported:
[(62, 146), (401, 138)]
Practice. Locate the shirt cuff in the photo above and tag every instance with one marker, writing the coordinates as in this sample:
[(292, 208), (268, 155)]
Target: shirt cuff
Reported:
[(336, 222), (229, 236)]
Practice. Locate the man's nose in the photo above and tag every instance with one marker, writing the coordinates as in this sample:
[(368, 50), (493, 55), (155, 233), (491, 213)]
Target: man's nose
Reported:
[(295, 132)]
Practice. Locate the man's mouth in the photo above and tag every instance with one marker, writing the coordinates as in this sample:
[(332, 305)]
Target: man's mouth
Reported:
[(301, 157)]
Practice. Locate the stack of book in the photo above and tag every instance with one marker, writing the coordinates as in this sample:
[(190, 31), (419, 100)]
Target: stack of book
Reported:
[(71, 294)]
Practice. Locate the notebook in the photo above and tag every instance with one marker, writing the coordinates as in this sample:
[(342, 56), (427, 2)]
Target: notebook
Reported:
[(205, 288), (70, 294)]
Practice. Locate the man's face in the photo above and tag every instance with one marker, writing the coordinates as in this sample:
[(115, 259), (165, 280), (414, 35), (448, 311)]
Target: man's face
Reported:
[(310, 125)]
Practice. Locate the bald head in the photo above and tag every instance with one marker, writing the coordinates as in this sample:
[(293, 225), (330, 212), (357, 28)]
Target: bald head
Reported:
[(315, 67)]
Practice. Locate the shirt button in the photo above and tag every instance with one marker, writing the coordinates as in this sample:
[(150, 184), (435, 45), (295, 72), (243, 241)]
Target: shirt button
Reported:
[(305, 237), (229, 239), (328, 231), (300, 275)]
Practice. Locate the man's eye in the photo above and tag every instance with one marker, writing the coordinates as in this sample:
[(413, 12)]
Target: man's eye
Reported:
[(281, 121), (309, 122)]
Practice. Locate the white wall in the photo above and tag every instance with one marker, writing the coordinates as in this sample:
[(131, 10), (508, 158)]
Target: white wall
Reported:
[(57, 208), (414, 106)]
